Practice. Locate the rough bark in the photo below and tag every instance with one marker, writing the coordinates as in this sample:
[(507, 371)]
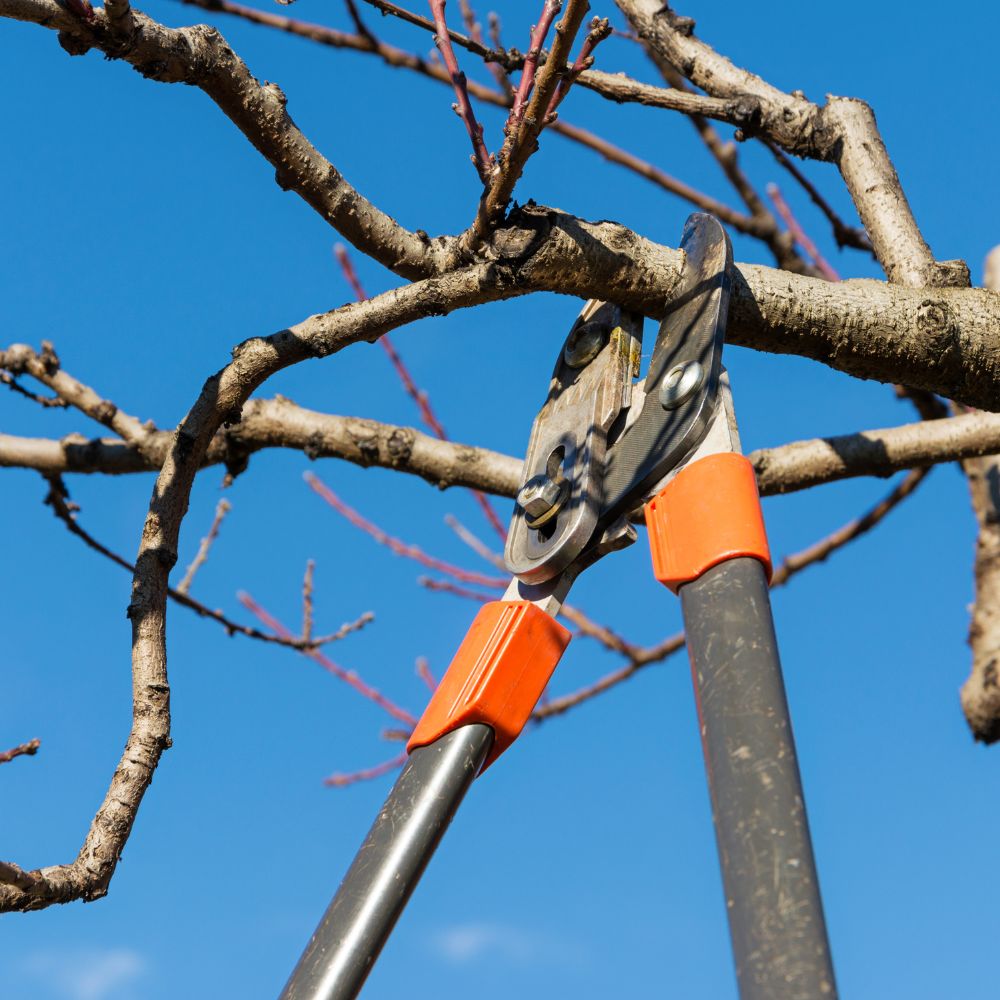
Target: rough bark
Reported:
[(981, 692)]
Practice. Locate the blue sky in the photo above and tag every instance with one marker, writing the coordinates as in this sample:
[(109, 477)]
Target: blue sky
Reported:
[(145, 238)]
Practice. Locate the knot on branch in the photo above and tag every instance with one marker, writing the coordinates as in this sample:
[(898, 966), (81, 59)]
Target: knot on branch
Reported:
[(678, 22), (937, 326), (400, 446)]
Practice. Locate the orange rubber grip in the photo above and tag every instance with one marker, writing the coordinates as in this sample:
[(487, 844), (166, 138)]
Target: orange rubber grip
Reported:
[(709, 513), (497, 676)]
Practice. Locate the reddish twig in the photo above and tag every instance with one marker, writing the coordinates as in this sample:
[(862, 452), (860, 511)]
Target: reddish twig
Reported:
[(477, 545), (307, 600), (539, 32), (28, 749), (781, 206), (424, 673), (222, 508), (395, 735), (526, 121), (600, 28), (447, 587), (64, 510), (418, 395), (340, 780), (349, 677), (481, 158), (845, 235), (395, 545), (473, 27)]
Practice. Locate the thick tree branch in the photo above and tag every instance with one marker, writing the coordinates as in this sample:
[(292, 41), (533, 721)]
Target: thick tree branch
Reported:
[(201, 57), (279, 423), (981, 692), (614, 87), (842, 131)]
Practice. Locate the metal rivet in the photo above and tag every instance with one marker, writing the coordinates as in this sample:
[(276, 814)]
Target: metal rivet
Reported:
[(584, 344), (541, 498), (681, 383)]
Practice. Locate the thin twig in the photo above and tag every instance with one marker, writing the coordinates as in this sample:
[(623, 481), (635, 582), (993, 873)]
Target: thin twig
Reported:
[(395, 545), (787, 568), (447, 587), (28, 749), (475, 543), (481, 158), (58, 499), (801, 237), (600, 28), (340, 780), (307, 600), (349, 677), (473, 27), (424, 673), (418, 395), (822, 549), (359, 26), (845, 235), (56, 402), (539, 32), (221, 509), (525, 123)]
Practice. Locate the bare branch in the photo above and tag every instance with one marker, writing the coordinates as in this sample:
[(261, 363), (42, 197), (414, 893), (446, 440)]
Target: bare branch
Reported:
[(539, 32), (349, 677), (801, 237), (201, 57), (842, 131), (525, 124), (28, 749), (825, 547), (981, 691), (845, 235), (221, 509), (58, 499), (794, 466), (481, 158), (400, 548)]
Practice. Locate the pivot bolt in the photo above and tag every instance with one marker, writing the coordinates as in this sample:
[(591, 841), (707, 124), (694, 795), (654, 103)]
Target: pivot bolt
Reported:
[(681, 383), (540, 498), (584, 344)]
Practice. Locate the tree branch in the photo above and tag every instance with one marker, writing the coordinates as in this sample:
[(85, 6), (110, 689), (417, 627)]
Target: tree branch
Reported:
[(981, 692), (842, 131), (200, 56), (28, 749), (88, 876)]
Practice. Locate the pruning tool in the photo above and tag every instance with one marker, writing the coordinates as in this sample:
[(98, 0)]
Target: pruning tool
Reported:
[(602, 446)]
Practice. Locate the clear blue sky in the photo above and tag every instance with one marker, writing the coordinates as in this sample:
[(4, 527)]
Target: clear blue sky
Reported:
[(144, 237)]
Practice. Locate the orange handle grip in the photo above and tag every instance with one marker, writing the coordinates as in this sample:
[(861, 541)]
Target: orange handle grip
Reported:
[(497, 676), (709, 513)]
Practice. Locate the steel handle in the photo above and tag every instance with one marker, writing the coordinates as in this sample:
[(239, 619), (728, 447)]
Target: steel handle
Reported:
[(388, 866), (769, 874)]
